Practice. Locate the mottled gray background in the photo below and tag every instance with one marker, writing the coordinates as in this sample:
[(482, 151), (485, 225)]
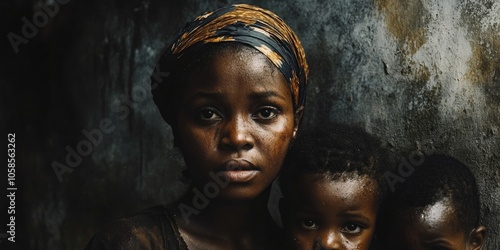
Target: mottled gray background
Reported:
[(421, 74)]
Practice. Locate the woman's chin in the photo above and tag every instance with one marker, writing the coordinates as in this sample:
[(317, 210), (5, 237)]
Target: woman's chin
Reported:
[(239, 194)]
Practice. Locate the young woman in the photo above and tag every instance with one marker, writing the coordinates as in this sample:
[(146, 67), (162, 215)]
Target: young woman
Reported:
[(234, 98)]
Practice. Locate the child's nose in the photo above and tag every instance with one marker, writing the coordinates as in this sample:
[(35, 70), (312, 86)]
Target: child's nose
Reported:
[(236, 134), (328, 240)]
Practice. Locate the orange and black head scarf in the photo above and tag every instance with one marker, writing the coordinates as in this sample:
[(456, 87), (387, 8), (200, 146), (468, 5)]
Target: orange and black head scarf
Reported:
[(255, 27)]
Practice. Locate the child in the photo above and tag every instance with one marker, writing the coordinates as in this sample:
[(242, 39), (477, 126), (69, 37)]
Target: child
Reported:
[(332, 188), (436, 207), (234, 97)]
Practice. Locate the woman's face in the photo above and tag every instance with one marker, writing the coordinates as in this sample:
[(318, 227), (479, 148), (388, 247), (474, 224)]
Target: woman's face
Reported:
[(235, 123)]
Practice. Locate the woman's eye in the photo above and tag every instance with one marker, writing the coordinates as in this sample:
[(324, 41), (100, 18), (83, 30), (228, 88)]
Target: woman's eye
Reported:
[(351, 228), (209, 115), (308, 224), (266, 113)]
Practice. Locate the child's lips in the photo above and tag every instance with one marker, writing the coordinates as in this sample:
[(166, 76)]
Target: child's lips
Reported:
[(238, 170)]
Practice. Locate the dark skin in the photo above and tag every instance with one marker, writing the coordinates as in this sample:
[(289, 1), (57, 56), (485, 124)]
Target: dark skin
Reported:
[(434, 227), (236, 121), (331, 214)]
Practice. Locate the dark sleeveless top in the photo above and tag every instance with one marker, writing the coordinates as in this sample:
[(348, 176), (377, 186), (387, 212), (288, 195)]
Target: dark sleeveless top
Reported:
[(153, 228)]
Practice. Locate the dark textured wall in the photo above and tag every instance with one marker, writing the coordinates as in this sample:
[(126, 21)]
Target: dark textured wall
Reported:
[(423, 75)]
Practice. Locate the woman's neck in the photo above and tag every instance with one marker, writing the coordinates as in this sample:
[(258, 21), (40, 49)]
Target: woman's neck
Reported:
[(218, 220), (198, 209)]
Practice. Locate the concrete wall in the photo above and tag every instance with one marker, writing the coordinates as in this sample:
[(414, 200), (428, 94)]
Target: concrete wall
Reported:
[(421, 74)]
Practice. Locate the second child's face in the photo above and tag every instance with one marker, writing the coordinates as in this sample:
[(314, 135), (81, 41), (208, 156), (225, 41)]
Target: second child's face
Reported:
[(326, 214), (236, 121), (433, 227)]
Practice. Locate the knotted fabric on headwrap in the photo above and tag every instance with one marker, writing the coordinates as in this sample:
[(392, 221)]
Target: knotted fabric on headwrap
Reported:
[(255, 27)]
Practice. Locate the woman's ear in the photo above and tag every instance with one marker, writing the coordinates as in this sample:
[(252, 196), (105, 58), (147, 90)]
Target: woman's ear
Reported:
[(476, 237), (297, 118)]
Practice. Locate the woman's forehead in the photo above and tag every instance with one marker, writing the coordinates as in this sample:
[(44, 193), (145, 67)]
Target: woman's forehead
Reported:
[(228, 72)]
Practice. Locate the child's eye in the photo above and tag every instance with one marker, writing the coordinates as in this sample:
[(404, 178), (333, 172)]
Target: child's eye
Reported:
[(351, 228), (209, 114), (308, 224), (266, 113)]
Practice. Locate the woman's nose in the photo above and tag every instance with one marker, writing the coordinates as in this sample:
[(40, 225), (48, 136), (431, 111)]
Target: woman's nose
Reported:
[(236, 134), (328, 240)]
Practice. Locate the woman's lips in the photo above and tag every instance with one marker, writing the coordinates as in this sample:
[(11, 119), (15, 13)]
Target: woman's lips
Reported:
[(239, 175), (238, 170)]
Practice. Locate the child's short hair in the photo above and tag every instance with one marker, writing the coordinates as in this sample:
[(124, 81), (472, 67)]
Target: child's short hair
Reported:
[(335, 151), (437, 178)]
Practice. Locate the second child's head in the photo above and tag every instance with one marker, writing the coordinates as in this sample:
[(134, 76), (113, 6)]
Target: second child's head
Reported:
[(436, 207), (332, 188)]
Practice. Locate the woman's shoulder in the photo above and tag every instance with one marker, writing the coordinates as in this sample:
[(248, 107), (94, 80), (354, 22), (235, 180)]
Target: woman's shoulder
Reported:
[(152, 228)]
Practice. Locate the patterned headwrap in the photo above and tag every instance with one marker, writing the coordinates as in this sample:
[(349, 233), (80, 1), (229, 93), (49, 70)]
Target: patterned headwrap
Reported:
[(255, 27)]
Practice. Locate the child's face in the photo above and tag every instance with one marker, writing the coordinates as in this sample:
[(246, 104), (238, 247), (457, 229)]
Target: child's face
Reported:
[(434, 227), (332, 214), (235, 122)]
